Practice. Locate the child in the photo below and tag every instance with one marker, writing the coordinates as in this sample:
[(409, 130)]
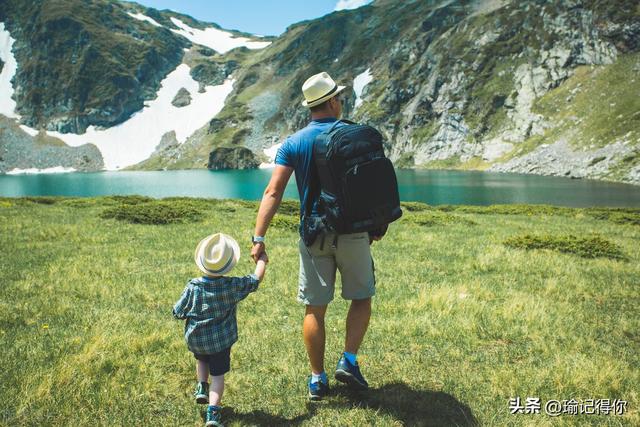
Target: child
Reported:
[(208, 304)]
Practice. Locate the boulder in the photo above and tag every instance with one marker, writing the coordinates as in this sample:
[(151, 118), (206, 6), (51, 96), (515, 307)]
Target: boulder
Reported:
[(232, 158), (182, 98)]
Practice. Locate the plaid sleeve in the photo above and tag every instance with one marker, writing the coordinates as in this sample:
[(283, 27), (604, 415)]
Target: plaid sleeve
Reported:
[(243, 286), (184, 304)]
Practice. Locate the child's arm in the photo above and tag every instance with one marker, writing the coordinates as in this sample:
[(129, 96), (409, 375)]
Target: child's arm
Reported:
[(261, 266), (249, 283), (184, 304)]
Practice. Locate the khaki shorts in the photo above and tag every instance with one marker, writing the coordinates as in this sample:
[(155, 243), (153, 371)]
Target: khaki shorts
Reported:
[(351, 255)]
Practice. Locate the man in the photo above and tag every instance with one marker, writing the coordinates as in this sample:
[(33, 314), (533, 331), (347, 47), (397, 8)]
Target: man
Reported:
[(349, 253)]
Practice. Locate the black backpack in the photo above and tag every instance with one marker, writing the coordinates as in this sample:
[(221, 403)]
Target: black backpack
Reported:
[(356, 181)]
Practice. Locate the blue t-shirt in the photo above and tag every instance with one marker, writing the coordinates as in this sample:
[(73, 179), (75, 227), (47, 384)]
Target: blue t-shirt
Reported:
[(297, 152)]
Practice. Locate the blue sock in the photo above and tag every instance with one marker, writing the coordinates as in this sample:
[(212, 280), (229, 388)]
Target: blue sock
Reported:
[(321, 377), (350, 357), (214, 408)]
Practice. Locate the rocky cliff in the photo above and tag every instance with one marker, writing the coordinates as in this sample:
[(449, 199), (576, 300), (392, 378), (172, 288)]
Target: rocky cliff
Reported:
[(464, 85), (534, 86)]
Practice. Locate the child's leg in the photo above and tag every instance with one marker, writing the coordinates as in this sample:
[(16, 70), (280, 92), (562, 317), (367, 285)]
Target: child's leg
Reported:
[(216, 390), (202, 371)]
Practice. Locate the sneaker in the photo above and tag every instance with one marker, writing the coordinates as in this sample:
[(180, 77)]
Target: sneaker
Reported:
[(350, 374), (317, 390), (214, 419), (202, 393)]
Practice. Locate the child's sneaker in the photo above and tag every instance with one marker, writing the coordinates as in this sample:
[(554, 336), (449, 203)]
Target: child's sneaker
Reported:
[(202, 393), (317, 390), (214, 418), (350, 374)]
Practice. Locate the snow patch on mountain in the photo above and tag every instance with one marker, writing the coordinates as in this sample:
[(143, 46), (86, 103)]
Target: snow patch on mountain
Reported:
[(136, 139), (141, 17), (33, 171), (7, 104), (28, 130), (218, 40), (350, 4), (359, 83), (271, 153)]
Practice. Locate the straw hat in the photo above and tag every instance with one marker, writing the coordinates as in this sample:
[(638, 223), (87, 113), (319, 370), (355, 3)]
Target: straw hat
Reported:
[(319, 88), (217, 254)]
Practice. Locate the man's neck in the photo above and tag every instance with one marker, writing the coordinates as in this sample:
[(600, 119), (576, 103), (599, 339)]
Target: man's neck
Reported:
[(319, 116)]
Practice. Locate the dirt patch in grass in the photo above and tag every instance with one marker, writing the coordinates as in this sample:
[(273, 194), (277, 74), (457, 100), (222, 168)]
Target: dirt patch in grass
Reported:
[(586, 247)]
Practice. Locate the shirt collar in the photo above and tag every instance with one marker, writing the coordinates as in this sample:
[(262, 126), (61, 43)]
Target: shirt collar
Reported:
[(324, 120)]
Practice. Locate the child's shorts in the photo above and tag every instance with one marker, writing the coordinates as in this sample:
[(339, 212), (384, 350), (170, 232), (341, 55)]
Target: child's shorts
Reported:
[(219, 363)]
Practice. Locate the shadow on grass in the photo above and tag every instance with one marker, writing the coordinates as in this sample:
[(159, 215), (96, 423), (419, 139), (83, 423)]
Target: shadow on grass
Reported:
[(411, 407)]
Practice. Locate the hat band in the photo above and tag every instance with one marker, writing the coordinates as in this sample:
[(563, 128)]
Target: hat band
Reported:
[(215, 271), (335, 88)]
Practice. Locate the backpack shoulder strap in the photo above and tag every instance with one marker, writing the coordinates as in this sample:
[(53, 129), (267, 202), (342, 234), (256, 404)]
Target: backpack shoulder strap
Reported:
[(314, 184), (349, 122)]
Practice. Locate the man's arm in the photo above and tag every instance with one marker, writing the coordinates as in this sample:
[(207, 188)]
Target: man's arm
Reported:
[(269, 205)]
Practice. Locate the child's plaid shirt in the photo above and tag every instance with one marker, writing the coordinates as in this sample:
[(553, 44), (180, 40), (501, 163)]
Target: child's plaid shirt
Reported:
[(209, 306)]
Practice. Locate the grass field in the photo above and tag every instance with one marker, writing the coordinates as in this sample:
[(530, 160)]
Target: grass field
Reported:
[(471, 310)]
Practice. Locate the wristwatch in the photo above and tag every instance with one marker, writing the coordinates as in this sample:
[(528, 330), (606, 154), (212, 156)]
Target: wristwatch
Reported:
[(257, 239)]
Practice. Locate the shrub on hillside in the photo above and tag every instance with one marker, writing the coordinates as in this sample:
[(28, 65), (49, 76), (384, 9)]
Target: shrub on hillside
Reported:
[(415, 206), (43, 200), (157, 212), (194, 202), (619, 216), (248, 204), (586, 247), (129, 200), (85, 202), (285, 222), (429, 219), (508, 209), (289, 207)]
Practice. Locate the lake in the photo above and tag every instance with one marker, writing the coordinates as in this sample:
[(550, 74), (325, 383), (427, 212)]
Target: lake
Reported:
[(434, 187)]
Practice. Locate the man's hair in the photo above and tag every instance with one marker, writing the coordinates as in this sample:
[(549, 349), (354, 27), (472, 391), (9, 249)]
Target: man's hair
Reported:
[(320, 107)]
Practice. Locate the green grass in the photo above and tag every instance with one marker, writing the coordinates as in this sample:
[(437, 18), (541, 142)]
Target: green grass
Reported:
[(460, 323)]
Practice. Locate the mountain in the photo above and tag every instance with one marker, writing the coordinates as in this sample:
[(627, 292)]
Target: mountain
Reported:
[(544, 87)]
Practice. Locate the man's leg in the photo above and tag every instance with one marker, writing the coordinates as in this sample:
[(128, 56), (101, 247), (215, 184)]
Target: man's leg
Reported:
[(353, 257), (357, 323), (314, 336)]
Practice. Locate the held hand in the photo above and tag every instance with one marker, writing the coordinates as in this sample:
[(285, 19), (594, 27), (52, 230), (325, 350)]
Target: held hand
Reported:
[(256, 250), (264, 257)]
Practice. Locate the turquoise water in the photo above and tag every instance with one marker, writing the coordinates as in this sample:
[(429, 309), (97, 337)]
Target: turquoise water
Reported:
[(433, 187)]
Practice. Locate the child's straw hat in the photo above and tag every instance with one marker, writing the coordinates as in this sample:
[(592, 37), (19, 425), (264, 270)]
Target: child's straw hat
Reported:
[(217, 254)]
